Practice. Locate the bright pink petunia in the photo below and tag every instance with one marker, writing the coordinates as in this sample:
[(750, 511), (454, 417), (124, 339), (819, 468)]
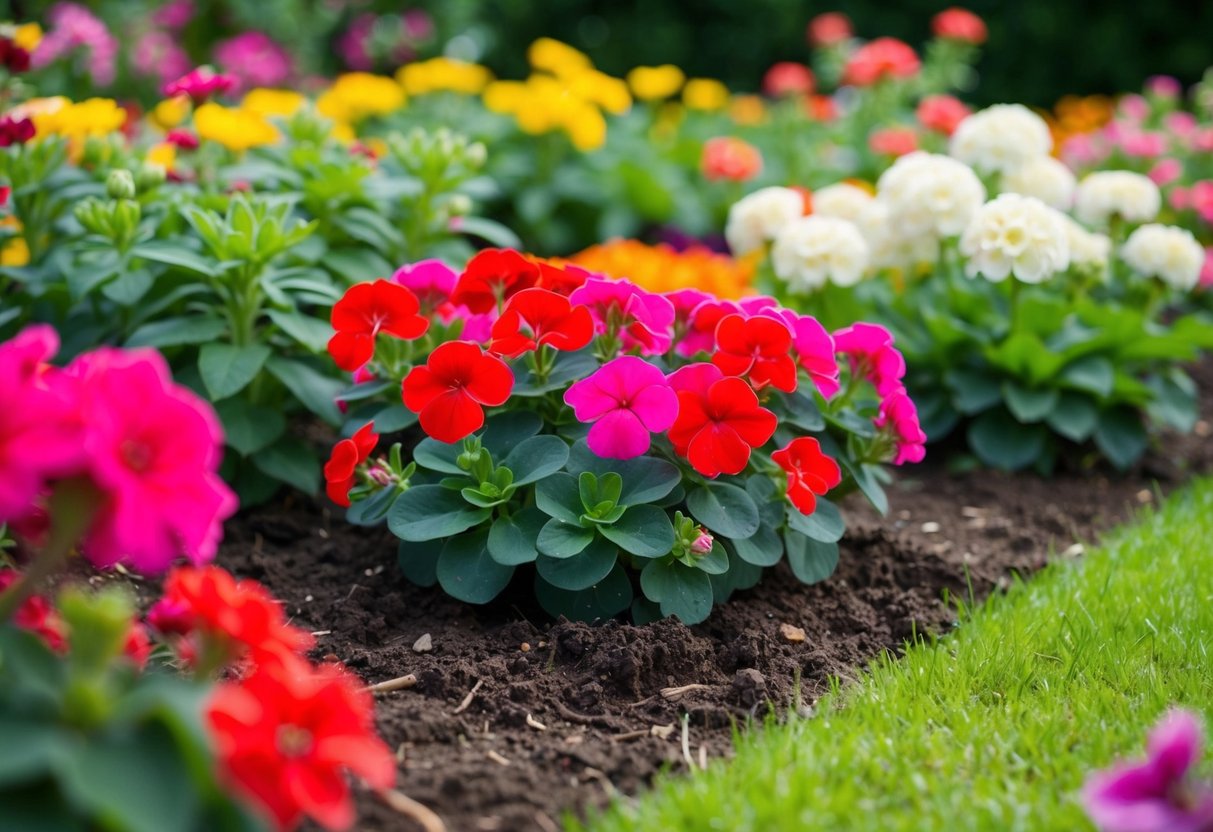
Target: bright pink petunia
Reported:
[(627, 399), (366, 310), (538, 317), (492, 277), (879, 59), (899, 415), (200, 84), (757, 348), (451, 390), (643, 320), (701, 327), (870, 348), (719, 420), (811, 473)]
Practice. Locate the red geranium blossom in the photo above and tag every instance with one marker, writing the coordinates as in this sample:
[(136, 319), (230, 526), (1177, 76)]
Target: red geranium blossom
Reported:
[(787, 78), (893, 141), (828, 29), (730, 158), (15, 130), (287, 733), (759, 348), (366, 310), (347, 455), (491, 277), (37, 616), (451, 389), (810, 472), (959, 24), (719, 420), (561, 279), (878, 59), (941, 113), (550, 319)]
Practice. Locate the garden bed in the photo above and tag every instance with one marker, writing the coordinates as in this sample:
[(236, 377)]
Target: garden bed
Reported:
[(602, 693)]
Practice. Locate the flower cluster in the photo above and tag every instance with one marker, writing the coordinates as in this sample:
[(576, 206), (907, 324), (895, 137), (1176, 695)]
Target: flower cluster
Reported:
[(662, 268)]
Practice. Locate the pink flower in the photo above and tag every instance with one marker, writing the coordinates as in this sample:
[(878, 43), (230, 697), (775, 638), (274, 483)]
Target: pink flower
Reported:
[(153, 449), (1180, 198), (702, 544), (627, 399), (1181, 123), (1154, 795), (1164, 86), (1166, 171), (1206, 271), (1201, 199), (431, 281), (643, 320), (72, 27), (1202, 140), (815, 348), (870, 348), (701, 336), (200, 84), (1083, 149), (1144, 144), (899, 415), (941, 113), (354, 45), (476, 327), (157, 54), (255, 60), (175, 14), (1134, 108)]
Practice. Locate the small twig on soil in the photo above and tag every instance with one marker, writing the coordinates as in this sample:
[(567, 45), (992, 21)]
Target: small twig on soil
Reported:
[(353, 589), (582, 719), (703, 757), (319, 633), (628, 736), (607, 785), (497, 758), (686, 741), (534, 723), (674, 694), (405, 805), (399, 683), (467, 700)]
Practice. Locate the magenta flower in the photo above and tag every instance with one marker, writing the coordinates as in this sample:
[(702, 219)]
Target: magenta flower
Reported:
[(431, 281), (870, 348), (642, 319), (627, 399), (175, 14), (200, 84), (701, 337), (254, 59), (1155, 794), (73, 27), (899, 416), (157, 55), (1206, 271), (815, 348)]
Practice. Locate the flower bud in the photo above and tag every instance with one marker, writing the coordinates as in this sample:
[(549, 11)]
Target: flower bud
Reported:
[(702, 544), (150, 175), (120, 184)]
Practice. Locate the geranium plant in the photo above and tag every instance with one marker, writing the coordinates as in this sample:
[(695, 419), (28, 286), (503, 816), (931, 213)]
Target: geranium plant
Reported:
[(606, 438)]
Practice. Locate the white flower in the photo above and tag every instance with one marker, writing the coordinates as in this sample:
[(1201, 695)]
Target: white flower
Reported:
[(890, 249), (1107, 193), (755, 219), (1016, 235), (1045, 178), (812, 250), (1001, 138), (846, 202), (1166, 252), (931, 194), (1087, 248)]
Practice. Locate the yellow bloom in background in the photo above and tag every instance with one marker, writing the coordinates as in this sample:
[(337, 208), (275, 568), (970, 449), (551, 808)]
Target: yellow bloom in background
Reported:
[(234, 128), (170, 112), (504, 96), (343, 133), (748, 109), (163, 154), (650, 83), (357, 95), (15, 251), (28, 36), (60, 117), (705, 94), (662, 269), (551, 55), (586, 127), (443, 75), (270, 102), (611, 94)]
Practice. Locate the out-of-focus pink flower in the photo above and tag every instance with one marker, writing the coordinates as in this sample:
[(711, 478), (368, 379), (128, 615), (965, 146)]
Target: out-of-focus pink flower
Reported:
[(870, 348), (175, 14), (1200, 197), (730, 158), (1164, 86), (941, 113), (254, 59), (829, 28), (645, 320), (1166, 171), (1082, 149), (959, 24), (1181, 123), (200, 84), (893, 141), (899, 415), (1202, 140), (879, 59), (627, 399), (1180, 198), (157, 55), (354, 45), (1134, 107), (787, 78), (72, 26), (1143, 144), (1206, 271), (418, 25), (1155, 794), (182, 138)]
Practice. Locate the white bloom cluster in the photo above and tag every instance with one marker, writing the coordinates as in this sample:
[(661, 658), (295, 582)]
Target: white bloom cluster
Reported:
[(755, 219), (931, 194), (812, 250), (842, 200), (1045, 178), (1109, 193), (1001, 138), (1016, 235), (1087, 248), (1171, 254)]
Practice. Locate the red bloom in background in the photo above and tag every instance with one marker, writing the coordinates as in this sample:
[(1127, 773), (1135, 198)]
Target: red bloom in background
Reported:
[(810, 472), (719, 420), (893, 141), (366, 310), (549, 318), (959, 24), (787, 78), (828, 29), (492, 277), (237, 615), (182, 138), (347, 455), (451, 390), (941, 113), (138, 645), (821, 108), (13, 57), (15, 130), (879, 59), (759, 348), (562, 279), (37, 616), (727, 157), (287, 734)]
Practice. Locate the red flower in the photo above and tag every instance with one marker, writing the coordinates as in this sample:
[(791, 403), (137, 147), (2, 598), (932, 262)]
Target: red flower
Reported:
[(551, 319), (787, 78), (878, 59), (366, 310), (759, 348), (200, 84), (12, 57), (810, 472), (828, 29), (452, 388), (893, 141), (719, 420), (182, 138), (137, 646), (941, 113), (286, 734), (959, 24), (15, 130), (491, 277), (347, 455), (233, 617), (37, 616), (731, 158), (562, 279)]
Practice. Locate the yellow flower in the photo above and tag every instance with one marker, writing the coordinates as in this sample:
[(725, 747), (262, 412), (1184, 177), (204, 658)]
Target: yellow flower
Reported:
[(705, 94), (585, 126), (558, 58), (61, 117), (662, 269), (170, 112), (28, 36), (357, 95), (234, 128), (611, 94), (748, 109), (163, 154), (443, 74), (504, 96), (268, 102), (343, 133), (650, 83), (15, 251)]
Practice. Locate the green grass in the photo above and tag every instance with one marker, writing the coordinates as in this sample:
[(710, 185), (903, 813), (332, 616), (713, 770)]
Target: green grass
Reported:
[(995, 726)]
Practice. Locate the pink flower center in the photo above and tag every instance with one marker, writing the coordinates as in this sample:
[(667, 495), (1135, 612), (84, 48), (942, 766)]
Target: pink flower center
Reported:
[(293, 741), (137, 455)]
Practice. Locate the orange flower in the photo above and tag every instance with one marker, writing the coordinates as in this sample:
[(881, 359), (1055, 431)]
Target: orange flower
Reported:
[(660, 268), (727, 157)]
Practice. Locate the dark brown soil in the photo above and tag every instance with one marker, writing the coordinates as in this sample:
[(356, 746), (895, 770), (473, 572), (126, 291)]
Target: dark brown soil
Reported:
[(567, 715)]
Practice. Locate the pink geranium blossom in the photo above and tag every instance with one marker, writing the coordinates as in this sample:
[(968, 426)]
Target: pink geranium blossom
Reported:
[(1206, 272), (870, 348), (1166, 171), (815, 349), (200, 84), (157, 54), (627, 399), (1155, 795), (899, 415), (643, 320), (254, 59), (701, 336), (72, 26), (432, 281)]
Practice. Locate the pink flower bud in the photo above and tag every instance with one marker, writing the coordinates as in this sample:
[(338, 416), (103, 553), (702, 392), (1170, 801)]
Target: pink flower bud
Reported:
[(702, 544)]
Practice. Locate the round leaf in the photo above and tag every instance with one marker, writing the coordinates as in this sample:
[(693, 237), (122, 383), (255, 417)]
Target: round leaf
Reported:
[(725, 509), (763, 548), (679, 589), (811, 560), (1001, 442), (644, 531), (609, 597), (419, 561), (535, 458), (430, 512), (467, 572), (824, 524), (645, 479), (512, 539), (582, 570), (558, 539)]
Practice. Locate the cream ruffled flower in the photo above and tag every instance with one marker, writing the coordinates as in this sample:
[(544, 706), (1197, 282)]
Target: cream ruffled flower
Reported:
[(931, 194), (844, 201), (1087, 248), (755, 219), (813, 250), (1045, 178), (1001, 138), (889, 249), (1166, 252), (1016, 235), (1109, 193)]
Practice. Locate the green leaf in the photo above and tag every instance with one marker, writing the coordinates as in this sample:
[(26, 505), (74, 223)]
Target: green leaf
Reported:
[(535, 458), (1091, 374), (430, 512), (1001, 442), (714, 562), (356, 265), (490, 231), (467, 572), (373, 510), (1025, 356), (312, 333), (824, 524), (811, 560), (394, 418), (1176, 401), (512, 539), (679, 589), (439, 456), (581, 571), (291, 461), (609, 597), (227, 369), (558, 539), (173, 332), (558, 496), (31, 748), (317, 392), (1074, 417), (725, 509), (763, 548), (129, 287), (419, 561), (1029, 405), (503, 432), (478, 498), (645, 479), (972, 391), (644, 531), (803, 412), (172, 254), (1121, 436), (249, 427)]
